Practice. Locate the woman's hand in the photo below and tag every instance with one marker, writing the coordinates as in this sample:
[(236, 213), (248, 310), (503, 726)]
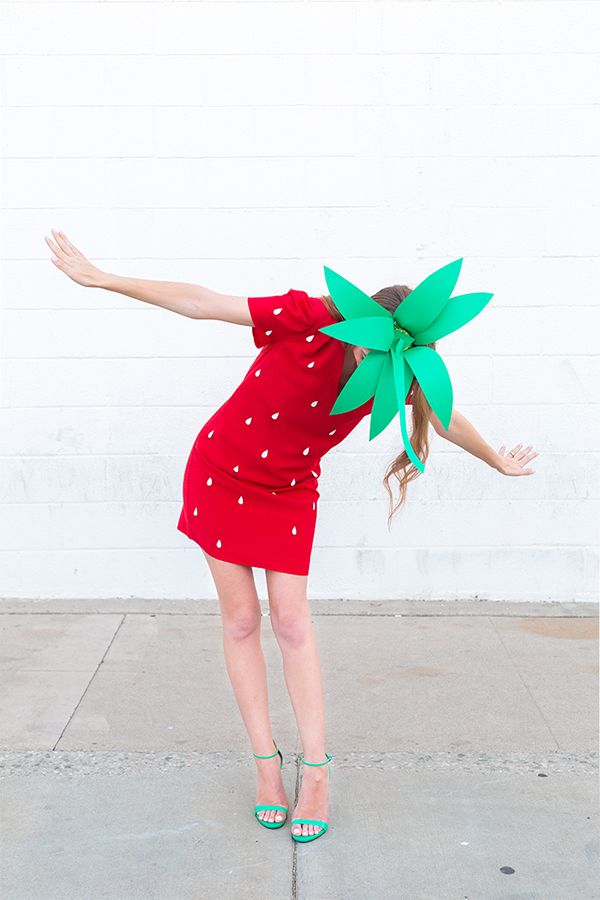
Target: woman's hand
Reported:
[(513, 463), (72, 262), (462, 433)]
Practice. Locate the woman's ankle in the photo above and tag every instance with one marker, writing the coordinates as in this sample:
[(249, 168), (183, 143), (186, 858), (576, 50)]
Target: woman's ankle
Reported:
[(312, 756), (316, 775)]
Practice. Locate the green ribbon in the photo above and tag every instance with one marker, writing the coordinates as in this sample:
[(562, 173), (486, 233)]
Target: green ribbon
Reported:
[(397, 346)]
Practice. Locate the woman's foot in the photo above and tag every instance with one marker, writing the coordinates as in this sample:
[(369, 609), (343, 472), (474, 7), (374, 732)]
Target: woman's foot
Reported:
[(270, 789), (313, 800)]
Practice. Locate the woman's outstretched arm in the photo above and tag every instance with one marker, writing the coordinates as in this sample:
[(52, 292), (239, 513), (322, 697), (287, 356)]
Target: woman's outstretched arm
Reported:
[(181, 297), (465, 435)]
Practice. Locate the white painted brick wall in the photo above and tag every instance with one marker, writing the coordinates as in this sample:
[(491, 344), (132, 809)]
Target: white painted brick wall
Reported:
[(242, 145)]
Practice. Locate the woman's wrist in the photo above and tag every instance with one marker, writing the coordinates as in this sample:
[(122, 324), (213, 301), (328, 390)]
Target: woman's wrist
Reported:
[(490, 456), (100, 279), (496, 461)]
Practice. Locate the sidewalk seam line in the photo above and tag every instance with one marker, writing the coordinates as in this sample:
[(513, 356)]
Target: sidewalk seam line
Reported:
[(88, 685), (294, 894), (526, 686)]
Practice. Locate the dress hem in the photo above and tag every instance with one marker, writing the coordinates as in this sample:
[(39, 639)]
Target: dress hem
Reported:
[(238, 562)]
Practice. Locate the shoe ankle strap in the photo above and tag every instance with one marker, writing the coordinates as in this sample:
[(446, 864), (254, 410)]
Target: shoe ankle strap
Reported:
[(271, 755), (324, 763)]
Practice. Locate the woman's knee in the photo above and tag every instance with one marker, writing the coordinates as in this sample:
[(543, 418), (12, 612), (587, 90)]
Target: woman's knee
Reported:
[(241, 623), (291, 627), (238, 599)]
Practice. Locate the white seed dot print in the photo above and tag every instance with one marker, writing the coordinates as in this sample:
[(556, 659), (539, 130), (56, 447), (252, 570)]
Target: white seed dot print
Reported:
[(314, 474), (219, 544), (236, 468), (311, 364), (209, 481), (196, 511), (264, 454), (294, 529), (275, 415), (240, 500), (210, 433), (306, 451), (248, 421), (293, 482), (314, 505), (270, 331), (310, 338), (333, 432), (314, 403), (257, 373), (278, 310)]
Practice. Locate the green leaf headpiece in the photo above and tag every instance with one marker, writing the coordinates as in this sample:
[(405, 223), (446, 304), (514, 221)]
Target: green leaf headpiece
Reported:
[(397, 346)]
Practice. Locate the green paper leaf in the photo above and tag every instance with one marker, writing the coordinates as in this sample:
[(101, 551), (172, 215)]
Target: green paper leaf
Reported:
[(457, 312), (428, 299), (385, 404), (408, 377), (430, 371), (350, 300), (369, 331), (361, 385), (401, 391)]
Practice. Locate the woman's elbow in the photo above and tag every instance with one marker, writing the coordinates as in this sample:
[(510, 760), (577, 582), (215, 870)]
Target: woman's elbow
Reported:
[(437, 425)]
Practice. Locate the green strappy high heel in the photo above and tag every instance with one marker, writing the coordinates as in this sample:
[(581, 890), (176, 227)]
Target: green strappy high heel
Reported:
[(304, 838), (261, 806)]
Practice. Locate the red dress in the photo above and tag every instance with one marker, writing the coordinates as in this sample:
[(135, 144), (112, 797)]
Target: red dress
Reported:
[(250, 486)]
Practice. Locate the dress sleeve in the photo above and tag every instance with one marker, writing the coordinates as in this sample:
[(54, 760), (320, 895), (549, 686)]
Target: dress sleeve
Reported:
[(285, 316)]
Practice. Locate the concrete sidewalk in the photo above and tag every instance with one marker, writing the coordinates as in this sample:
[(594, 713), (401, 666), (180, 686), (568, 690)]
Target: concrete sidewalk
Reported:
[(464, 738)]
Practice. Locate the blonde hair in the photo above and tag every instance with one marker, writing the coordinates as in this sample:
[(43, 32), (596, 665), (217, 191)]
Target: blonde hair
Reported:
[(400, 468)]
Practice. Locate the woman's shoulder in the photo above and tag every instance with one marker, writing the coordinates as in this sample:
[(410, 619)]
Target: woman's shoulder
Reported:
[(278, 317)]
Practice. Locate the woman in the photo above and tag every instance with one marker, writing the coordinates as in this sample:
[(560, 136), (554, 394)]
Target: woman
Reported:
[(250, 498)]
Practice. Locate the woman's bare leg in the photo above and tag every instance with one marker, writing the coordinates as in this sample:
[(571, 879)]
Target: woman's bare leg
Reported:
[(292, 625), (245, 663)]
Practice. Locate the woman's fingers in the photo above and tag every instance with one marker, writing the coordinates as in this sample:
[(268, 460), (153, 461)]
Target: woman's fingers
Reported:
[(54, 247), (526, 455), (58, 240), (63, 255), (523, 452), (68, 249), (71, 246), (61, 242)]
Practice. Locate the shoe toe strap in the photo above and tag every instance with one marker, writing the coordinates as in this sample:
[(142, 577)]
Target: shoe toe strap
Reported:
[(310, 822)]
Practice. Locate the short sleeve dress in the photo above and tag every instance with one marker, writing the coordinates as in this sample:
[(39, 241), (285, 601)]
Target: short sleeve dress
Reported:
[(250, 486)]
